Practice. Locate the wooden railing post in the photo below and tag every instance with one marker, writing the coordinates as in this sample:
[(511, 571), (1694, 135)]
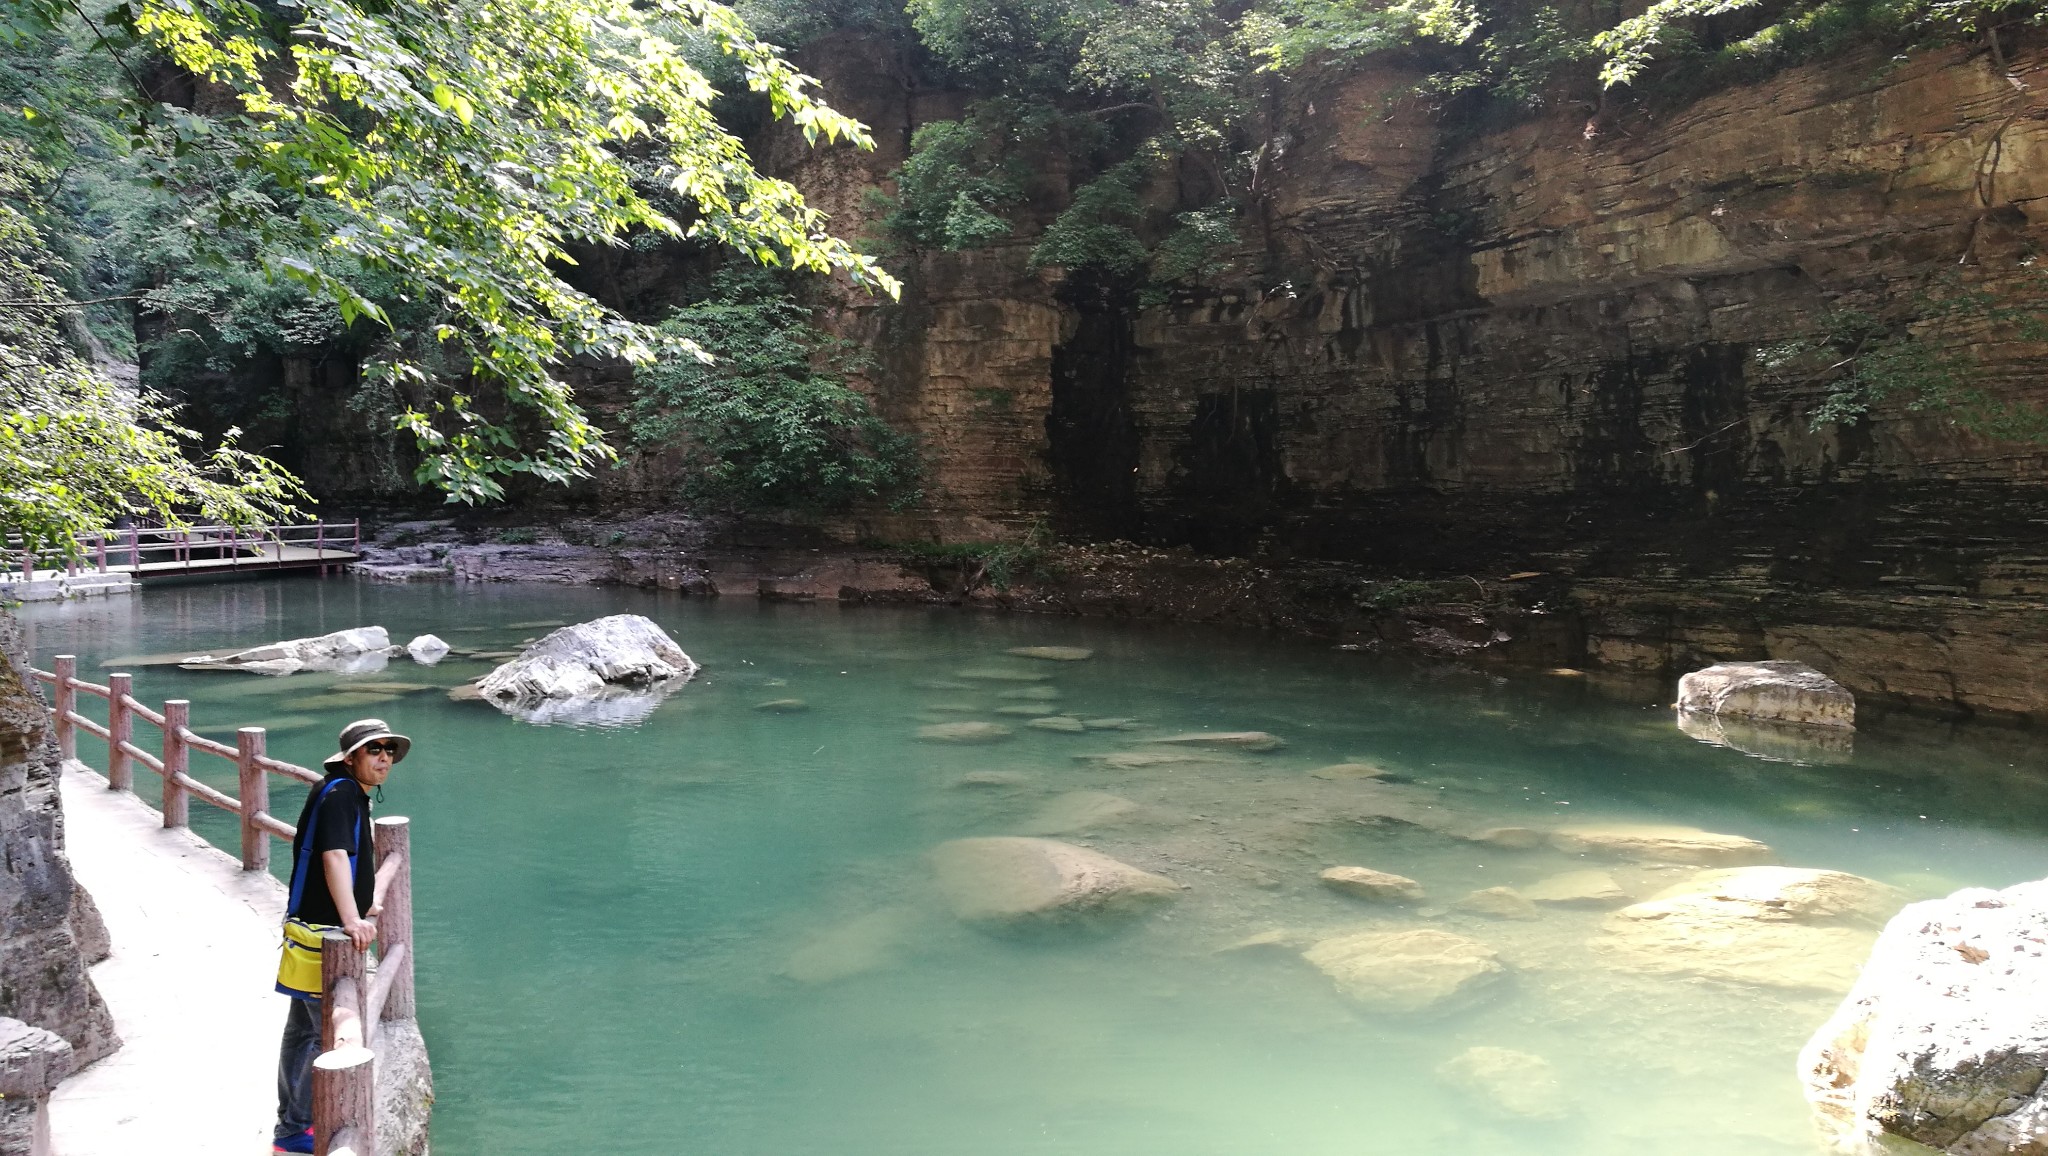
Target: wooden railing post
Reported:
[(177, 712), (254, 795), (135, 548), (345, 1102), (66, 701), (341, 993), (394, 925), (99, 545), (120, 729)]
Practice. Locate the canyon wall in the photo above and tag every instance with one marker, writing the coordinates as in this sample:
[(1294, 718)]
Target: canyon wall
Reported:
[(1535, 349)]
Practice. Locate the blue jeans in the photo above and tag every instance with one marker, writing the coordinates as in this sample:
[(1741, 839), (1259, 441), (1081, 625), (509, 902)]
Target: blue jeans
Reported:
[(295, 1068)]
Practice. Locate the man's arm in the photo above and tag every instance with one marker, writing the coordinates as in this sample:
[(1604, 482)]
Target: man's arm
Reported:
[(341, 884), (386, 872)]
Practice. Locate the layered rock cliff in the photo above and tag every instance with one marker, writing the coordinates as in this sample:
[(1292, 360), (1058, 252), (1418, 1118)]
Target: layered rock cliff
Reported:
[(1533, 349)]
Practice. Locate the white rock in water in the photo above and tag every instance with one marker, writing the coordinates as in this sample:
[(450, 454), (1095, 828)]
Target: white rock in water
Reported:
[(1405, 972), (1789, 927), (427, 650), (1014, 883), (361, 649), (1943, 1040), (583, 660), (1791, 692), (1659, 843), (1506, 1082)]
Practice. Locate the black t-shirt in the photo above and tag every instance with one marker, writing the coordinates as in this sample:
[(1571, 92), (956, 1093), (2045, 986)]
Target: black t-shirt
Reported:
[(342, 824)]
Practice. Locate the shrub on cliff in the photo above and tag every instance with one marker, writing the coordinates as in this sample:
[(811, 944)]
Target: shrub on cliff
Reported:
[(767, 423)]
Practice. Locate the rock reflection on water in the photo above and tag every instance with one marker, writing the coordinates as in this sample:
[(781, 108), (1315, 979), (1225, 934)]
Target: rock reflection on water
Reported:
[(1772, 742)]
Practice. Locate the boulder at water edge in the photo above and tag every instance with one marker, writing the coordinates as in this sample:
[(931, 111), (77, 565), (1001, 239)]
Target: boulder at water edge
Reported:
[(1789, 927), (1786, 692), (364, 648), (1942, 1043), (608, 671), (1011, 883), (1407, 972)]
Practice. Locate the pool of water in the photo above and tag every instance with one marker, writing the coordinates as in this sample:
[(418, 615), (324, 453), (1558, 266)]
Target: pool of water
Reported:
[(717, 931)]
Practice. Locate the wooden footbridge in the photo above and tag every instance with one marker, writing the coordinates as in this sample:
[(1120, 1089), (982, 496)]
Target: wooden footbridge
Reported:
[(150, 552)]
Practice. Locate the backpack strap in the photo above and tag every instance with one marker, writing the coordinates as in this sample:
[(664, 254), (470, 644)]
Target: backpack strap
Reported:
[(291, 906)]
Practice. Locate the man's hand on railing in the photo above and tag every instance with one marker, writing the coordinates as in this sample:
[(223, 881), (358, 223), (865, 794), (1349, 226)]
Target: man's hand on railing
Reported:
[(361, 932)]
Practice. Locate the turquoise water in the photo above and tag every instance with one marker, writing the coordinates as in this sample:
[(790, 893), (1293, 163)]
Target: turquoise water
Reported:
[(716, 932)]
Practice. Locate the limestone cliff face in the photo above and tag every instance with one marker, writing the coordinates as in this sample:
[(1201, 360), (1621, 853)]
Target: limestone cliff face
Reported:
[(43, 979), (1536, 349)]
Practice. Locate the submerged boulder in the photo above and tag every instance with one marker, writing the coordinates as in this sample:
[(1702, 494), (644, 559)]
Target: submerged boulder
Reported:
[(1788, 927), (1577, 889), (1659, 843), (1013, 883), (1498, 903), (1078, 811), (1054, 653), (1366, 883), (963, 732), (1232, 740), (1942, 1043), (610, 671), (1786, 692), (1505, 1082), (364, 648), (1408, 972)]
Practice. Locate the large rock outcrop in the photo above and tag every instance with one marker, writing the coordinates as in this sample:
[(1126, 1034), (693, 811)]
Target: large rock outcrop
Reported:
[(363, 648), (1775, 692), (43, 978), (1942, 1045), (608, 671)]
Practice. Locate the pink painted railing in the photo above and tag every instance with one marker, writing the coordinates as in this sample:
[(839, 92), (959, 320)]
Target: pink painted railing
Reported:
[(352, 1002)]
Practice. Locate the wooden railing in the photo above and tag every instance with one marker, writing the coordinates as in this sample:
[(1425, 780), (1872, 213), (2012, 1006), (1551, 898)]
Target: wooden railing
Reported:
[(165, 548), (351, 1005)]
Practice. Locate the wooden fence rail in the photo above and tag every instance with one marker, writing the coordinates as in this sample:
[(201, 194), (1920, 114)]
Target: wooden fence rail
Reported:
[(167, 549), (355, 998)]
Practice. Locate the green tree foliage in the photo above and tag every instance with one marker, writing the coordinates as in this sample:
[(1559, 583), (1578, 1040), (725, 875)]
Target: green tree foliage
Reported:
[(453, 156), (1920, 355), (78, 450), (768, 422)]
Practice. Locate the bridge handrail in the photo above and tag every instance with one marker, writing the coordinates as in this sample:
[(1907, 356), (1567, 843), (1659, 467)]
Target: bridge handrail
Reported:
[(89, 549), (355, 996)]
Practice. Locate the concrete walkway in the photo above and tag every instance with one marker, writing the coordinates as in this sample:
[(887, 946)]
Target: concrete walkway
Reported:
[(195, 953)]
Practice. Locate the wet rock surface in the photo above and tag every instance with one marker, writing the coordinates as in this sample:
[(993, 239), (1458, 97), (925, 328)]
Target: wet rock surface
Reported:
[(611, 671), (1944, 1039), (362, 648)]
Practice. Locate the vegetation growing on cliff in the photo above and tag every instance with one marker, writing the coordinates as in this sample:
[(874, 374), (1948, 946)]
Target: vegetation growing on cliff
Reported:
[(768, 423), (409, 158)]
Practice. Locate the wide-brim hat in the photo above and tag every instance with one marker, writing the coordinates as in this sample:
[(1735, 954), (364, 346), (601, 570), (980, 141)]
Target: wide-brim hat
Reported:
[(365, 730)]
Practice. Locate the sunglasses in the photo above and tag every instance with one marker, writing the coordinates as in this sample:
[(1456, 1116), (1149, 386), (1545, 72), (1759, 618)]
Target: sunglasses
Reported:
[(382, 748)]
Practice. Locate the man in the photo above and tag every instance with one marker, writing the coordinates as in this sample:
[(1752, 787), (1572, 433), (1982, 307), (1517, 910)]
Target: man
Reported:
[(335, 886)]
